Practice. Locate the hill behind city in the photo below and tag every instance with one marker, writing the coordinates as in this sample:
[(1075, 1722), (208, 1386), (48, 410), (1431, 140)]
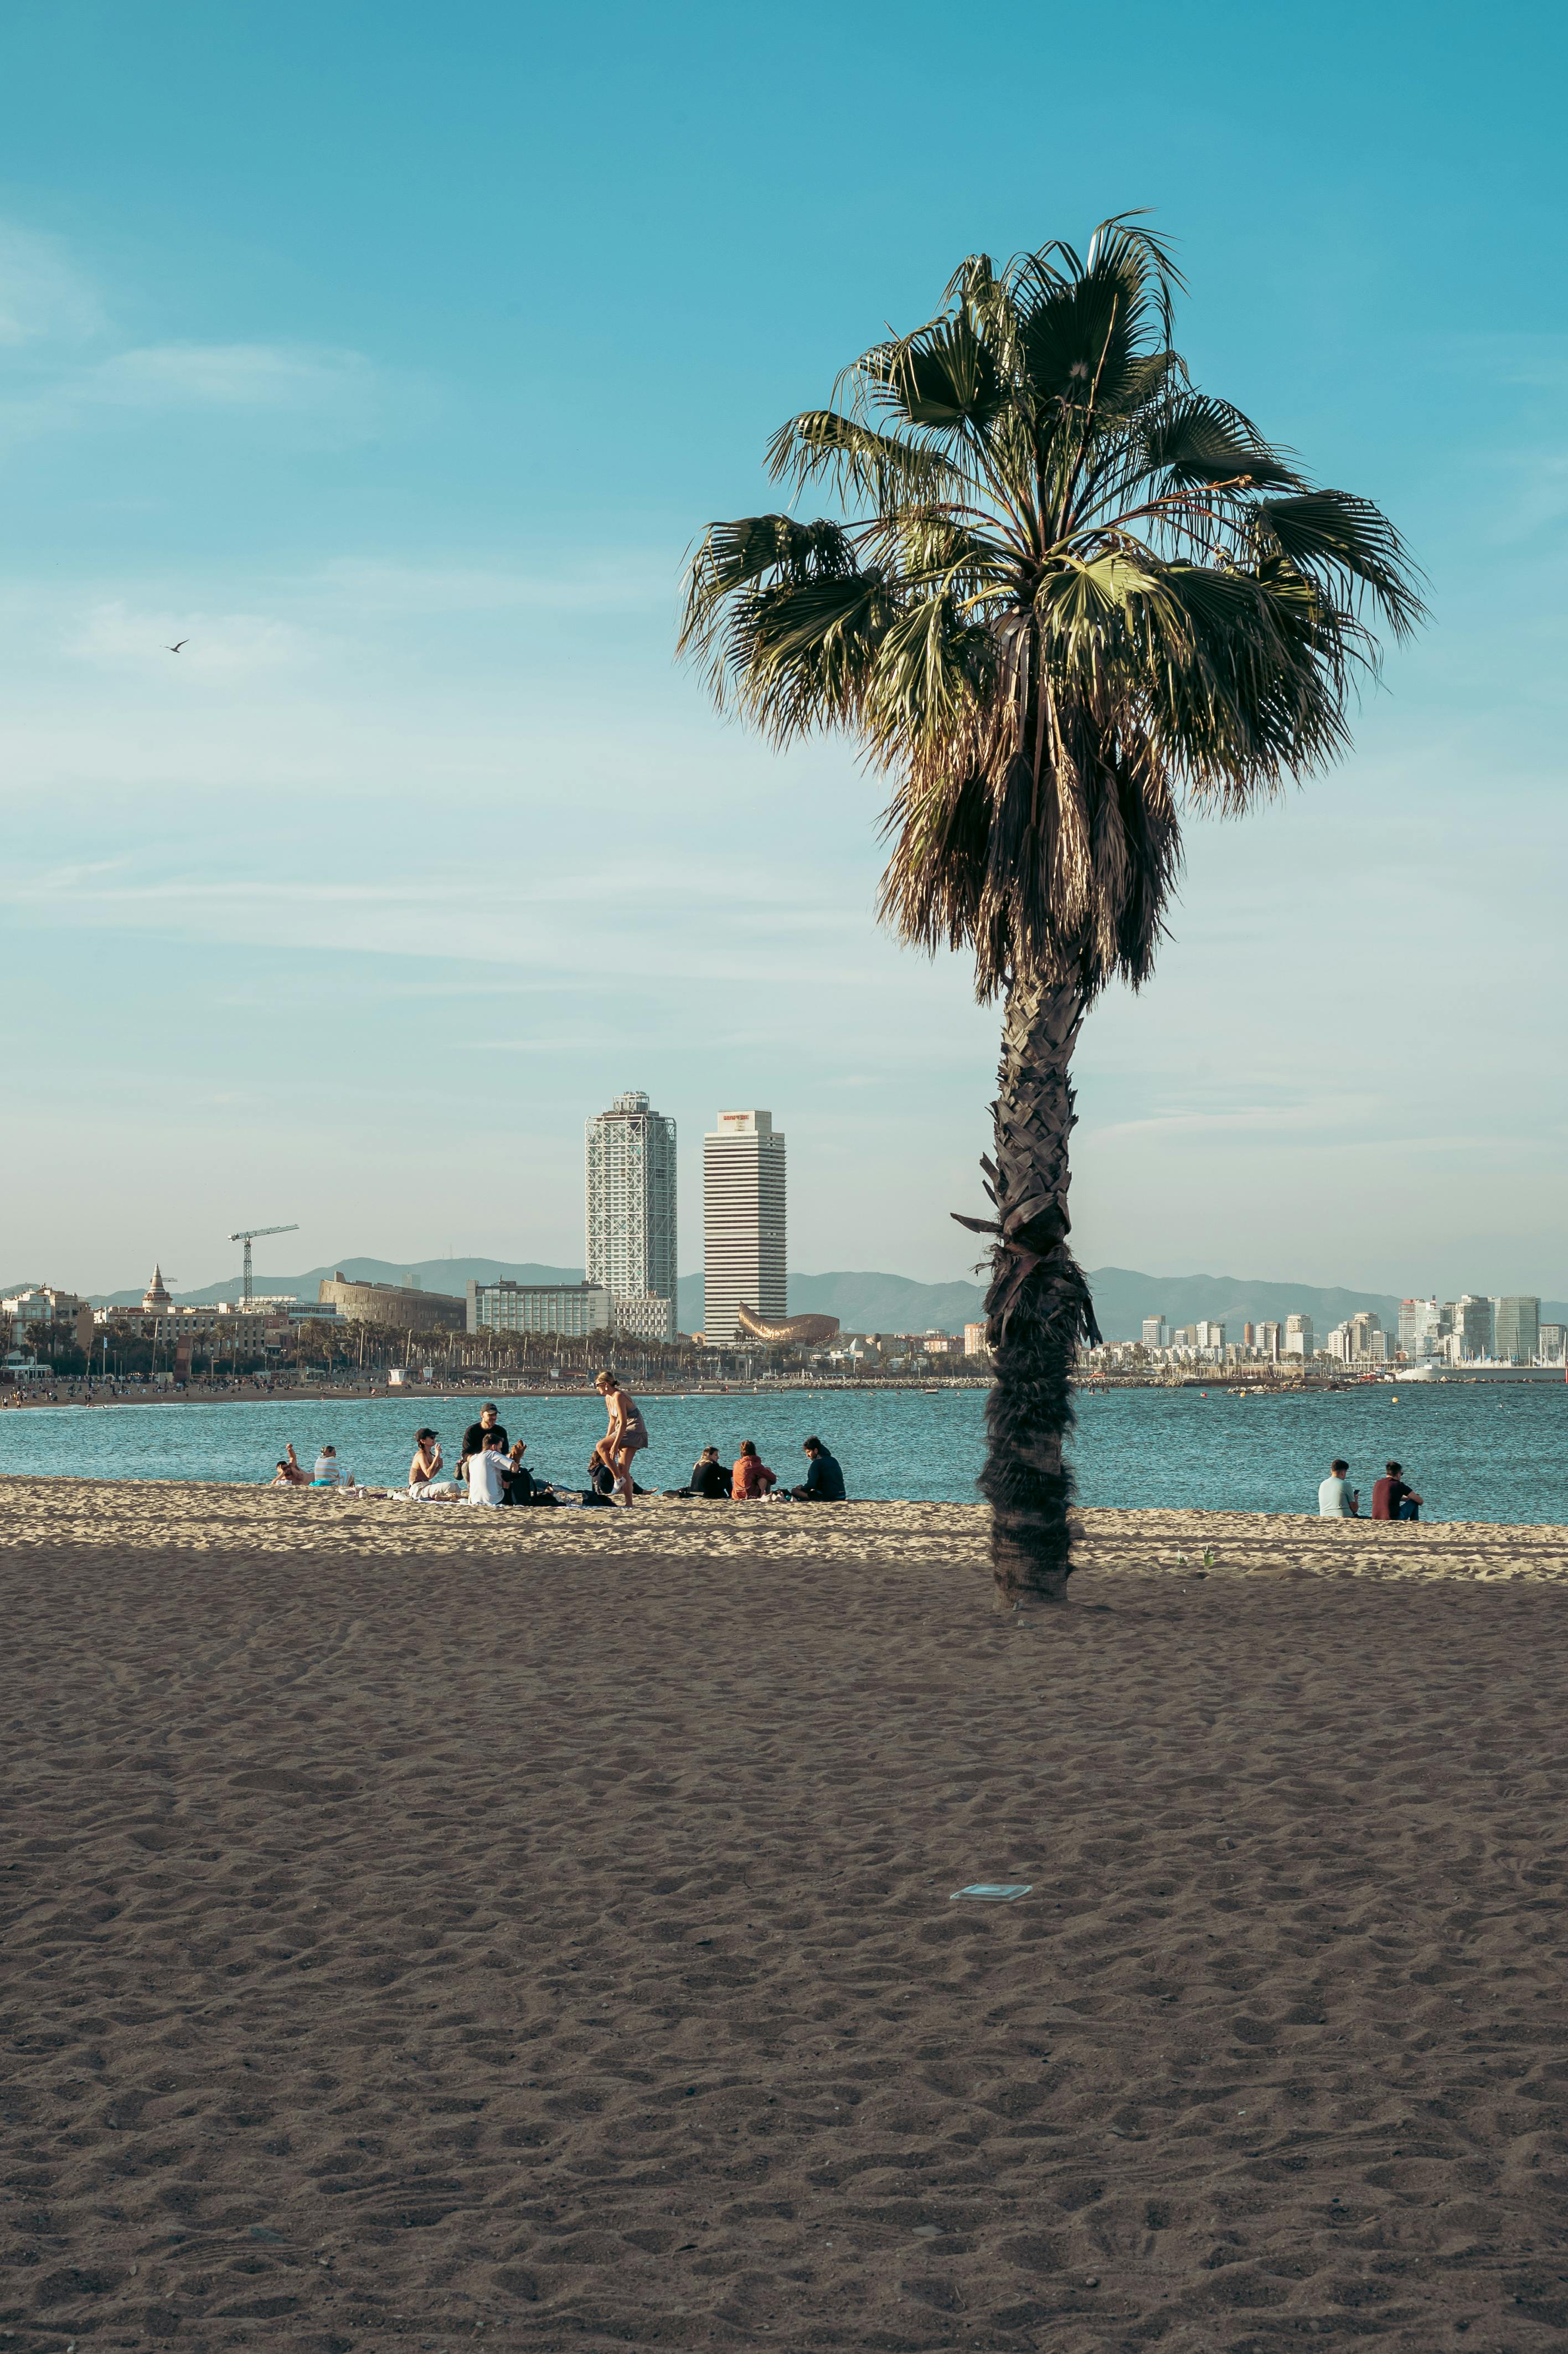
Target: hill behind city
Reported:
[(872, 1303), (862, 1302)]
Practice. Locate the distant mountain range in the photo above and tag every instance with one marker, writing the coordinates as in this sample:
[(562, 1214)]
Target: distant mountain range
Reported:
[(1123, 1299), (890, 1303), (863, 1303), (449, 1275)]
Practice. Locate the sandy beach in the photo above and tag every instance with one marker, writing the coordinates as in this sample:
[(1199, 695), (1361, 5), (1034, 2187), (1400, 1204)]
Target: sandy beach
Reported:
[(426, 1926)]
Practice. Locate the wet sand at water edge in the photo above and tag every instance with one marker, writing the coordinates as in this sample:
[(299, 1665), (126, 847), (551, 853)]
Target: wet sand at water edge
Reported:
[(429, 1929)]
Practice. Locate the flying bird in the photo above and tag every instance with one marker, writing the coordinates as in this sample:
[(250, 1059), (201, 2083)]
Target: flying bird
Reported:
[(175, 650)]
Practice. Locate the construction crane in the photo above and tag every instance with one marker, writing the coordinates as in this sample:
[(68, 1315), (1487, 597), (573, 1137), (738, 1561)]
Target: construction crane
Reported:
[(247, 1235)]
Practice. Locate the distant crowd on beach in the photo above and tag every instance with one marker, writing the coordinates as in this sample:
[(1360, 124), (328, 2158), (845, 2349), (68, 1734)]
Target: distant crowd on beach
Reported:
[(491, 1470)]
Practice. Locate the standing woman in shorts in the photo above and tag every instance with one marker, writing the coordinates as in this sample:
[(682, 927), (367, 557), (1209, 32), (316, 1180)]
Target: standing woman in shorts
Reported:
[(627, 1435)]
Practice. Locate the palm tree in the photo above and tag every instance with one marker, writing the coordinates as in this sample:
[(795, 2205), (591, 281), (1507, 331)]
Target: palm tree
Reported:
[(1064, 598)]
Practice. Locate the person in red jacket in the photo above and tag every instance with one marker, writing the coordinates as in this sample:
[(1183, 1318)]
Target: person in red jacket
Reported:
[(751, 1478), (1392, 1499)]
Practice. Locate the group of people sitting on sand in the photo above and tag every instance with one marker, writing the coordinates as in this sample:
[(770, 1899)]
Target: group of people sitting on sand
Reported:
[(491, 1469), (748, 1480)]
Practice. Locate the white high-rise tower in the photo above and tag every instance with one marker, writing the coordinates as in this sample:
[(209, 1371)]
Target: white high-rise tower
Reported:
[(743, 1223), (631, 1215)]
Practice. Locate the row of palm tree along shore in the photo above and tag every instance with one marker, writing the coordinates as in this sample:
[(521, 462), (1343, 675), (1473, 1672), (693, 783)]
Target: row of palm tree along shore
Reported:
[(130, 1389), (1062, 598)]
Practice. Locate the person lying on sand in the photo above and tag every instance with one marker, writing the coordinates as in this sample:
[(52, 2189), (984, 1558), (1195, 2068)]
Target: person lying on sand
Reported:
[(290, 1471), (601, 1479)]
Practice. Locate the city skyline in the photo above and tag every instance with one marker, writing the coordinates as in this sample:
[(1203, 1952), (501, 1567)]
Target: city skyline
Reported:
[(1474, 1329)]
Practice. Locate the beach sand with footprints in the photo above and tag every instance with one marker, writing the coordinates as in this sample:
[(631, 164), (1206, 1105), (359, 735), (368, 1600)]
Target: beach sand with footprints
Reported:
[(428, 1929)]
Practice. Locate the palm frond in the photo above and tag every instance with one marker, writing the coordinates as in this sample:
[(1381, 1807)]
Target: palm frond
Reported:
[(861, 464), (802, 654), (1342, 539), (737, 593), (1196, 439), (943, 376), (922, 695)]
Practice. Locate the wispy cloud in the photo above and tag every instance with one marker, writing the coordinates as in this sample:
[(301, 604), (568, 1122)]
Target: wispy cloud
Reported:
[(376, 989), (218, 645), (615, 581), (1538, 361), (338, 393), (42, 295), (1307, 1117), (445, 906), (224, 375), (50, 308), (579, 1040)]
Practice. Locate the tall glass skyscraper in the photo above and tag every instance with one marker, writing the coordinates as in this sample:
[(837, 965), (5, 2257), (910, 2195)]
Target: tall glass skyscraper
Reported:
[(743, 1223), (630, 1157), (1516, 1331)]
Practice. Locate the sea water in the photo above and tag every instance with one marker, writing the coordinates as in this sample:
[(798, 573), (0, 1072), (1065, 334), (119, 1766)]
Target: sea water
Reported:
[(1475, 1452)]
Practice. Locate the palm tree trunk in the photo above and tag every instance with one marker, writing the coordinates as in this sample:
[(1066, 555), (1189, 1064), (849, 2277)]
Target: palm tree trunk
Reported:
[(1038, 1303)]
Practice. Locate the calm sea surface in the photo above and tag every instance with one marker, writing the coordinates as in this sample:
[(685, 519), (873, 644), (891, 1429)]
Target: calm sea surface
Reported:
[(1475, 1453)]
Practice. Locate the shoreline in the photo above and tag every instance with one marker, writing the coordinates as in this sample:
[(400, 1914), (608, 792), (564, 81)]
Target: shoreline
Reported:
[(1225, 1385), (1192, 1545)]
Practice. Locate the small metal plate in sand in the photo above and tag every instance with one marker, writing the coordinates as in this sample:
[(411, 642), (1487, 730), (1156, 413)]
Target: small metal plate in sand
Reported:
[(994, 1891)]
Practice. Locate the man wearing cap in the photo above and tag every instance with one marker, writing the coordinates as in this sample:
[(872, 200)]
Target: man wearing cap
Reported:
[(474, 1436)]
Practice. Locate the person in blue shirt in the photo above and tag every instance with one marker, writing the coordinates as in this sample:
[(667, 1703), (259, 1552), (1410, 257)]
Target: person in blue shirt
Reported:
[(824, 1481)]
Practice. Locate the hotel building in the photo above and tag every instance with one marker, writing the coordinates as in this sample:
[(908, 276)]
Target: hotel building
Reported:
[(743, 1223), (630, 1221)]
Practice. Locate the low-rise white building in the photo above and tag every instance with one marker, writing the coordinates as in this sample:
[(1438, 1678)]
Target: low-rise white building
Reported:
[(571, 1309)]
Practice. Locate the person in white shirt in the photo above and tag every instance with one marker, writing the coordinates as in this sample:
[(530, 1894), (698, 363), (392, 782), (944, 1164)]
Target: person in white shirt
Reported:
[(487, 1472), (329, 1471), (1337, 1499)]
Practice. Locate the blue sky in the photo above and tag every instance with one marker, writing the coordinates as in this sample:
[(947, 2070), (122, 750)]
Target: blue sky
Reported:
[(394, 355)]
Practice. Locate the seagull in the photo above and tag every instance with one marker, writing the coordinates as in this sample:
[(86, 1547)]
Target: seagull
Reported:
[(175, 650)]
